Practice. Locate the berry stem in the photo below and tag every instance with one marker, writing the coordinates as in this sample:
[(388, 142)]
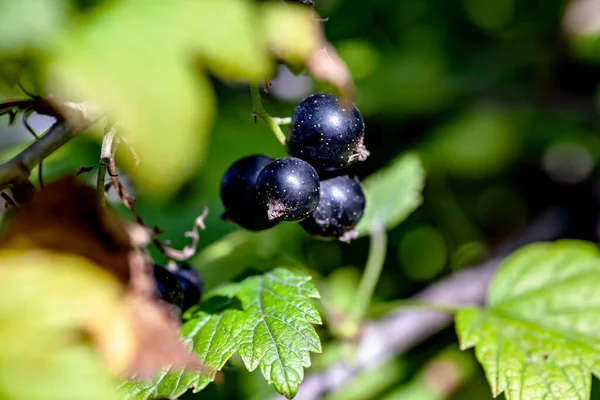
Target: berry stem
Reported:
[(259, 110), (368, 282)]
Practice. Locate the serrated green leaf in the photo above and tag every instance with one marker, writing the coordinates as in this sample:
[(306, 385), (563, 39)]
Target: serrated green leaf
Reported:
[(213, 338), (392, 193), (271, 330), (278, 335), (540, 336)]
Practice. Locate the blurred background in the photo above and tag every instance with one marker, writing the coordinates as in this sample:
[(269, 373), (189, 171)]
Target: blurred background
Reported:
[(499, 97)]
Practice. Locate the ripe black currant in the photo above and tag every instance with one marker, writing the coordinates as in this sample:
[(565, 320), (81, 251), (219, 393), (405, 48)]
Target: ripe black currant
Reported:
[(167, 286), (190, 282), (326, 134), (238, 193), (288, 189), (341, 206)]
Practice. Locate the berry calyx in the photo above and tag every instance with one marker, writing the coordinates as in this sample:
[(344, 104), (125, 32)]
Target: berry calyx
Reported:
[(238, 194), (190, 281), (326, 134), (341, 207), (168, 287), (288, 189)]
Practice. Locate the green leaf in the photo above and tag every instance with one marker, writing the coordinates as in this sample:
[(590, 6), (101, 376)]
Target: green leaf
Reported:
[(232, 45), (214, 340), (393, 193), (540, 335), (30, 24), (131, 61), (138, 62), (266, 318), (278, 335)]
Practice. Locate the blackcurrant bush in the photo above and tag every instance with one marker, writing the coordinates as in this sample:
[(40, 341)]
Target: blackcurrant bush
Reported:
[(190, 282), (168, 287), (341, 207), (326, 134), (238, 193), (288, 189)]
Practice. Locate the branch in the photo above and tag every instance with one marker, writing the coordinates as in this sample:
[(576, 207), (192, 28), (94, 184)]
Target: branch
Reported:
[(402, 330), (72, 119)]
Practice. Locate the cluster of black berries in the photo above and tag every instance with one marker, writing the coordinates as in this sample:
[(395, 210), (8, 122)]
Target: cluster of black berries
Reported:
[(308, 186), (178, 284)]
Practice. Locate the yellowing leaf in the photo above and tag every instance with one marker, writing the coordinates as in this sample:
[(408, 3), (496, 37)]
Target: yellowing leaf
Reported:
[(226, 35), (133, 62), (291, 32), (47, 302)]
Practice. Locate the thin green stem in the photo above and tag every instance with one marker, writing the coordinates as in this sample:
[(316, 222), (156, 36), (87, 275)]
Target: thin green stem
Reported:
[(366, 288), (259, 110), (106, 152)]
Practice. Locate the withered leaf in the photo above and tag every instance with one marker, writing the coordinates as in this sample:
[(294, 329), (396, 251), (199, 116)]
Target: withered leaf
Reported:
[(137, 337), (66, 216)]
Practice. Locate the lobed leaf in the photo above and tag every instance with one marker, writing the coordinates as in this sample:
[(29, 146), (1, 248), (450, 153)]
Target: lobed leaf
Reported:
[(267, 319), (540, 335), (393, 193), (278, 335)]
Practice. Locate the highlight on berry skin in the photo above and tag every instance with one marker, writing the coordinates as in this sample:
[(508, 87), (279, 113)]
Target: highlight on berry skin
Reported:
[(325, 134), (310, 185), (341, 207), (288, 189)]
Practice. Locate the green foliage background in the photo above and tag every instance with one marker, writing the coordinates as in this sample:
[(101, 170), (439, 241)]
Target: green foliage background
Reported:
[(474, 88)]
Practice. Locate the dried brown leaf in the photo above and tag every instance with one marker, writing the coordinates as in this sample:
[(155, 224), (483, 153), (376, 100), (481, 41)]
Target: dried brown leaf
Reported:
[(67, 217), (139, 336)]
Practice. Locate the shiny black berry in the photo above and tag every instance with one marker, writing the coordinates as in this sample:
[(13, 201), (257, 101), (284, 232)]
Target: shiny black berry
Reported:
[(288, 189), (340, 208), (238, 194), (326, 134), (190, 282), (168, 287)]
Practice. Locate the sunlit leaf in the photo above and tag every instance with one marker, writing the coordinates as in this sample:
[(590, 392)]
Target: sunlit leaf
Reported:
[(392, 193), (540, 335), (266, 318), (30, 24), (292, 45), (45, 304)]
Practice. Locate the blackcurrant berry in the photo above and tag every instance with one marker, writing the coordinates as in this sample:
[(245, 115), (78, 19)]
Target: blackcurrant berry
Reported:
[(168, 287), (238, 193), (190, 282), (326, 134), (288, 189), (341, 206)]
